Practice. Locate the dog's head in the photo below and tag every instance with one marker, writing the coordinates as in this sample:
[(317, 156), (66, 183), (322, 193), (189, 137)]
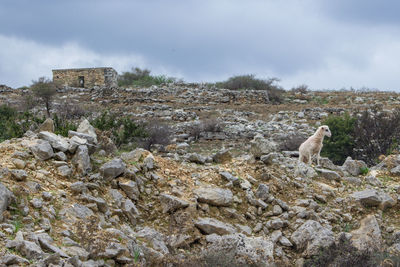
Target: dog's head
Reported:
[(325, 130)]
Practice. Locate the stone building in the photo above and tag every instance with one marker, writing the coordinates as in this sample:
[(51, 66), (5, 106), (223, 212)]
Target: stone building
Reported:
[(86, 77)]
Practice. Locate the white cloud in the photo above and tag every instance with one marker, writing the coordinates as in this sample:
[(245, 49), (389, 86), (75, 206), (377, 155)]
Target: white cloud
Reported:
[(23, 60)]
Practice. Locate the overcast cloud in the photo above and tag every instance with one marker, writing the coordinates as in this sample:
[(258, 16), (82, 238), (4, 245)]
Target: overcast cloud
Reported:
[(324, 44)]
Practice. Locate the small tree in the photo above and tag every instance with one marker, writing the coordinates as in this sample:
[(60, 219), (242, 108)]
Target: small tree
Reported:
[(45, 89)]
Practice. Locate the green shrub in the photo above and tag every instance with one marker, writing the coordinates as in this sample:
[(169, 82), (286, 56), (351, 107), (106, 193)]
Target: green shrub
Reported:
[(340, 145), (249, 82), (142, 78), (62, 126), (124, 130), (14, 124)]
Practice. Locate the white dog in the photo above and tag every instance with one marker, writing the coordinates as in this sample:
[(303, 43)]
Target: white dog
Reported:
[(313, 145)]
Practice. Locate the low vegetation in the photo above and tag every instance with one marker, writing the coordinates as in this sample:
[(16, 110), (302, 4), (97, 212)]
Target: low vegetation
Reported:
[(249, 82), (14, 124), (141, 78), (365, 137)]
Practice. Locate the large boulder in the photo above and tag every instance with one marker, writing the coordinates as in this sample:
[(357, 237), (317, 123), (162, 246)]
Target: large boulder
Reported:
[(6, 197), (42, 150), (112, 169), (81, 160), (310, 236), (374, 198), (214, 196), (213, 226), (239, 250), (305, 170), (56, 141), (171, 203), (368, 236), (47, 125), (86, 128), (353, 166), (261, 146)]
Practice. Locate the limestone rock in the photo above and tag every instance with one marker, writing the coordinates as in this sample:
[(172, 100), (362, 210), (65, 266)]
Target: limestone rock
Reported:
[(262, 191), (86, 128), (223, 156), (310, 236), (171, 203), (6, 197), (244, 249), (368, 236), (47, 125), (213, 226), (367, 197), (56, 141), (196, 158), (353, 166), (19, 175), (81, 160), (261, 146), (214, 196), (328, 174), (112, 169), (230, 178), (130, 188), (42, 150), (64, 171)]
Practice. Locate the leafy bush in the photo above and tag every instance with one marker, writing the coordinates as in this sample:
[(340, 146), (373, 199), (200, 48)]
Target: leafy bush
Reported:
[(340, 145), (377, 133), (142, 78), (123, 129), (14, 124), (249, 82), (62, 126)]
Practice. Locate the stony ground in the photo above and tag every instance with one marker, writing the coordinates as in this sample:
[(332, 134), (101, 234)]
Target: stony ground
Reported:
[(229, 198)]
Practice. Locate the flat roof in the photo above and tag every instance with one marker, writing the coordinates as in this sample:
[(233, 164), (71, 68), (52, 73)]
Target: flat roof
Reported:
[(83, 68)]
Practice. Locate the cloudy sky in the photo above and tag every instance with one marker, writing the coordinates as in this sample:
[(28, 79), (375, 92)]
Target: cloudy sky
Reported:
[(321, 43)]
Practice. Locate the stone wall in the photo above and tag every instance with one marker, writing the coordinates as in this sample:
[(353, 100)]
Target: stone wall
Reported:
[(86, 77)]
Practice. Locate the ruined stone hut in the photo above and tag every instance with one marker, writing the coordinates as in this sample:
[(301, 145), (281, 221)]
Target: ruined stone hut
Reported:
[(86, 77)]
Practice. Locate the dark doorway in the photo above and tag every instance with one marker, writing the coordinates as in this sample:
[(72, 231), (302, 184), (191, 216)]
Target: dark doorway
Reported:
[(81, 81)]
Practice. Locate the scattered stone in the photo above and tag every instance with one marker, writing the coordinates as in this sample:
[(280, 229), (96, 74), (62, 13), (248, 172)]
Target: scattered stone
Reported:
[(171, 203), (223, 156), (311, 236), (42, 150), (81, 160), (130, 188), (367, 197), (60, 156), (353, 166), (214, 196), (47, 125), (196, 158), (328, 174), (112, 169), (130, 211), (86, 128), (19, 164), (244, 249), (19, 175), (213, 226), (262, 192), (6, 198), (56, 141), (261, 146), (368, 236), (64, 171), (230, 178)]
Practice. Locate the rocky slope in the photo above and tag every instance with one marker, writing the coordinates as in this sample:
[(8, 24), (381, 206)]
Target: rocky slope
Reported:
[(217, 201)]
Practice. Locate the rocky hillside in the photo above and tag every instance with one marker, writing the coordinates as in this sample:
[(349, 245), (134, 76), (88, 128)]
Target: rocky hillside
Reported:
[(234, 197)]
